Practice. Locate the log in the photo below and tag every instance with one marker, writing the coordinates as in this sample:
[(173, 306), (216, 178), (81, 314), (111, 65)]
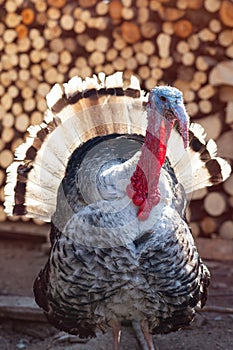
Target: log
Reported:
[(128, 14), (102, 8), (17, 109), (208, 226), (148, 47), (24, 44), (182, 47), (225, 38), (67, 22), (221, 74), (22, 121), (131, 63), (206, 92), (165, 62), (212, 125), (28, 16), (141, 58), (96, 58), (9, 35), (87, 3), (115, 10), (26, 92), (215, 25), (41, 6), (188, 59), (182, 4), (205, 106), (194, 4), (36, 118), (102, 43), (183, 28), (200, 77), (193, 42), (7, 134), (6, 101), (13, 91), (79, 27), (29, 105), (149, 29), (167, 28), (144, 72), (189, 96), (111, 54), (41, 105), (6, 158), (10, 6), (8, 120), (57, 3), (170, 13), (12, 19), (225, 145), (215, 204), (206, 35), (143, 15), (163, 41), (202, 63), (226, 93), (130, 32), (226, 13), (119, 64), (150, 83), (127, 52), (119, 44), (212, 5), (156, 73), (43, 89), (226, 230), (65, 57)]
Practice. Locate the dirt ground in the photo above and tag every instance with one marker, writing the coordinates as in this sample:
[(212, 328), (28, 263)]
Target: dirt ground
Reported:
[(20, 263)]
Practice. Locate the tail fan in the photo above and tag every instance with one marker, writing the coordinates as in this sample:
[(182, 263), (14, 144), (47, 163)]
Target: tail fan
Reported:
[(77, 112), (80, 111), (199, 167)]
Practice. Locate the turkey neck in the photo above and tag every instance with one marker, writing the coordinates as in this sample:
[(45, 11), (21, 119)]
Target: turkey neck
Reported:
[(143, 187)]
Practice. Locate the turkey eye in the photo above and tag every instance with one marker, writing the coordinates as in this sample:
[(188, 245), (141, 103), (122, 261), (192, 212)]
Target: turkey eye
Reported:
[(163, 98)]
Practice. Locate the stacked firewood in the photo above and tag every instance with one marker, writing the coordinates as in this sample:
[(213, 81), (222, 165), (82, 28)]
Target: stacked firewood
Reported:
[(185, 43)]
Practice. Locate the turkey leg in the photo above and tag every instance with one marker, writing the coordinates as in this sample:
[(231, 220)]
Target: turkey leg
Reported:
[(144, 337)]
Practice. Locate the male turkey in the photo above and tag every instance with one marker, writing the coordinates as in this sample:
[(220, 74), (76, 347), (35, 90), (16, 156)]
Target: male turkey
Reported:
[(112, 168)]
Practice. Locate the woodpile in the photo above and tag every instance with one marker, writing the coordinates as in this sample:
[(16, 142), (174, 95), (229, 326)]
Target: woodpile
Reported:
[(185, 43)]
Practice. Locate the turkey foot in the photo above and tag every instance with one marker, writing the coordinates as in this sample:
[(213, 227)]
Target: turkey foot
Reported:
[(144, 337)]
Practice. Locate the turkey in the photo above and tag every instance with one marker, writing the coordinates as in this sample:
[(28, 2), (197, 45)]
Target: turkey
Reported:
[(113, 168)]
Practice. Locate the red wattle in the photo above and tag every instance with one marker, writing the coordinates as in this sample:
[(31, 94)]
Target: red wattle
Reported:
[(143, 188)]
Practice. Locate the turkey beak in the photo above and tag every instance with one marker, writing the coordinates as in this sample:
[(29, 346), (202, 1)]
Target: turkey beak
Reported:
[(182, 118)]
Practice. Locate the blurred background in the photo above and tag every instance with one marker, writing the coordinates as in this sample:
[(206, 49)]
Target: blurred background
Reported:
[(184, 43)]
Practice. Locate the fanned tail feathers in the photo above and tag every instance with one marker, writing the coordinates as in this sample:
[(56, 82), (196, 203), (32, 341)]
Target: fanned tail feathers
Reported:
[(79, 111)]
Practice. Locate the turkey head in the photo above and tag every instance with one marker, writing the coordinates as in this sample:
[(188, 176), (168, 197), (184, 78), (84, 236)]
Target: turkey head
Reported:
[(165, 106)]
